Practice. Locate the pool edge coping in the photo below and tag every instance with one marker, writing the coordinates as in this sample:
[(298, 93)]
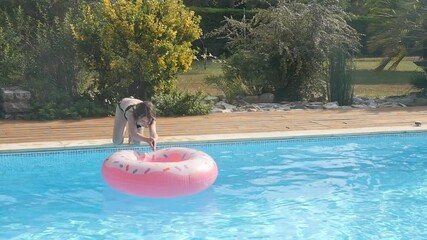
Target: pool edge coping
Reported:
[(168, 140)]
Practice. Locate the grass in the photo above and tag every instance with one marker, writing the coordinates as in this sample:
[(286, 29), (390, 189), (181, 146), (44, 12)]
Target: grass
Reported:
[(194, 79), (367, 82), (370, 83), (406, 65)]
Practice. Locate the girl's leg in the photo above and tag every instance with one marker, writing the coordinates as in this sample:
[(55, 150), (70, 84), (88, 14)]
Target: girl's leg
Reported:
[(119, 126)]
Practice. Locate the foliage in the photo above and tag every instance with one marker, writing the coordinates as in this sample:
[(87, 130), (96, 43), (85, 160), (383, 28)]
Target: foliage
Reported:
[(340, 77), (136, 47), (360, 24), (212, 18), (419, 81), (243, 75), (126, 48), (357, 7), (367, 82), (12, 47), (77, 109), (40, 57), (31, 8), (250, 4), (2, 110), (290, 43), (182, 103), (52, 63), (232, 88), (398, 28)]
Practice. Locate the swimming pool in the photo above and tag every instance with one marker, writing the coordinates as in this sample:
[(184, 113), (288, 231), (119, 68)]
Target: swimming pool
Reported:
[(350, 187)]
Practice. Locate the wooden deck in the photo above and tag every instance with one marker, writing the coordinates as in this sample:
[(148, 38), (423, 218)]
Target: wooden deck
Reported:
[(217, 123)]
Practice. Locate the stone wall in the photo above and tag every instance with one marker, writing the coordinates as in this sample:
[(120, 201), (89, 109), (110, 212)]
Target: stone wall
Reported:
[(15, 103)]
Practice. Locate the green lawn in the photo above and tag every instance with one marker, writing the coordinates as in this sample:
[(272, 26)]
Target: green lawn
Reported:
[(406, 65), (193, 80), (368, 83)]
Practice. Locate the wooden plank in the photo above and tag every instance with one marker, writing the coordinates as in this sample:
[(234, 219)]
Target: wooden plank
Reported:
[(217, 123)]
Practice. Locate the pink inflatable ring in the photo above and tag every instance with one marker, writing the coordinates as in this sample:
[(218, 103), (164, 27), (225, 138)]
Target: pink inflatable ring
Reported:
[(170, 172)]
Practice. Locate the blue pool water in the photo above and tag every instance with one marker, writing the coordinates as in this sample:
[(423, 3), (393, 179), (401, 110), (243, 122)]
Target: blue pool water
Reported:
[(360, 187)]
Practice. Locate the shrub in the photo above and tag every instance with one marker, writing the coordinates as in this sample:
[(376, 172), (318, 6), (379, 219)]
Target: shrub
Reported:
[(74, 109), (212, 18), (182, 103), (419, 81), (232, 88), (12, 48), (243, 75), (290, 44), (38, 54), (136, 47), (340, 77)]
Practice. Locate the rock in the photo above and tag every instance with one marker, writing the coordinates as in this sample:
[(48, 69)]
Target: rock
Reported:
[(314, 105), (372, 104), (240, 102), (16, 107), (266, 98), (358, 102), (263, 98), (214, 99), (331, 105), (216, 110), (224, 105), (418, 102), (251, 99), (15, 103), (358, 106)]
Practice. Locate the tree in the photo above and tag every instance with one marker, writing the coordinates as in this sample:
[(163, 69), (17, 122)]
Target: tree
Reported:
[(289, 45), (398, 28), (136, 47), (38, 54), (38, 10), (12, 44), (39, 49)]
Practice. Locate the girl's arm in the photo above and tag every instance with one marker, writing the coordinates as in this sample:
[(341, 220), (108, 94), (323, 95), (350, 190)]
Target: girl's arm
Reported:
[(137, 136), (153, 130), (133, 130), (153, 134)]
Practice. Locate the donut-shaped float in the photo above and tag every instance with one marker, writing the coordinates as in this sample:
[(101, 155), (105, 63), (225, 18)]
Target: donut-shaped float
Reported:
[(165, 173)]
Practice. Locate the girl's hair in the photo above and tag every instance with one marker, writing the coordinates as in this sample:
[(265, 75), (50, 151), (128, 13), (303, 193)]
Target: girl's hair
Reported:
[(145, 109)]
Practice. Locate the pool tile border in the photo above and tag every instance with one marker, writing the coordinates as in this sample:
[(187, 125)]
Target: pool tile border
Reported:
[(106, 143)]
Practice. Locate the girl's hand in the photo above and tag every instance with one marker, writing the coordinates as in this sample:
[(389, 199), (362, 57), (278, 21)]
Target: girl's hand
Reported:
[(152, 142), (154, 146)]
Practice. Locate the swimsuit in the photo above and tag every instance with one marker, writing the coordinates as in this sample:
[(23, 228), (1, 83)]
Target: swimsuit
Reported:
[(127, 109)]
